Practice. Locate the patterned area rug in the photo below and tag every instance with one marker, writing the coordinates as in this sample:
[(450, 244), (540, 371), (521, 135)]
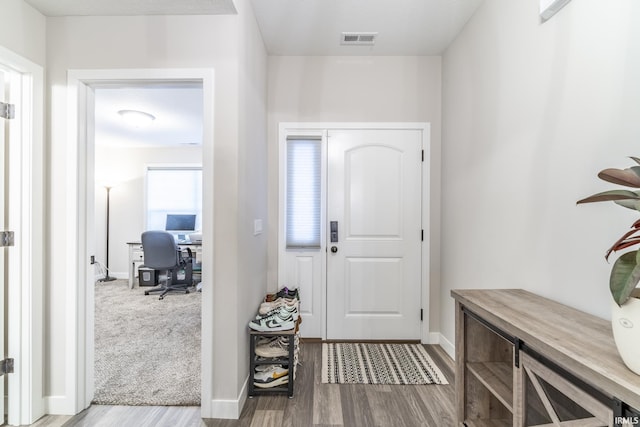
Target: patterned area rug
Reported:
[(355, 363), (147, 351)]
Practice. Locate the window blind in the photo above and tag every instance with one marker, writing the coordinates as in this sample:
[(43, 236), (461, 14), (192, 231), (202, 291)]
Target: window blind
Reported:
[(173, 190), (303, 188)]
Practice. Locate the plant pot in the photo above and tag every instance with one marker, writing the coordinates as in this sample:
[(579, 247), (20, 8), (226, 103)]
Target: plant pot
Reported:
[(625, 322)]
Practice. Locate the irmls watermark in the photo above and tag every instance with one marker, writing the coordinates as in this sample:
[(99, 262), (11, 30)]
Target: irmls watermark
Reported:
[(626, 421)]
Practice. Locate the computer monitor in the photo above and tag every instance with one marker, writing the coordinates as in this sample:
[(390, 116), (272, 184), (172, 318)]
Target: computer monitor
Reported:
[(180, 223)]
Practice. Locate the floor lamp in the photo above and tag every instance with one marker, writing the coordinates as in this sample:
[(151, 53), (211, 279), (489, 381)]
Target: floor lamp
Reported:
[(107, 278)]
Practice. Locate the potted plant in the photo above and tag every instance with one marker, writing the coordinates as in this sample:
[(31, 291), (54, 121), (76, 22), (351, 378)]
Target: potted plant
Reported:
[(625, 273)]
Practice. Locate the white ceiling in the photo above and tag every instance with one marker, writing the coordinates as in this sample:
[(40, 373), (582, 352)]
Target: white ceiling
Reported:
[(310, 27), (288, 27), (132, 7), (404, 27), (177, 109)]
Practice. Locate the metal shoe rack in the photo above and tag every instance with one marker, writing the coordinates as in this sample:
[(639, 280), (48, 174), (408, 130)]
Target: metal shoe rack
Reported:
[(289, 361)]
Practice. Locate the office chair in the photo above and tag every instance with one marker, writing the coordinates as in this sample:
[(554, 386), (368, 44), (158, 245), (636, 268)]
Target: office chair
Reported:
[(162, 253)]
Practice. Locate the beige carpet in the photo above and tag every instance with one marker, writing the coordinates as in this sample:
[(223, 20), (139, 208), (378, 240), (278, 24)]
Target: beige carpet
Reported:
[(147, 352)]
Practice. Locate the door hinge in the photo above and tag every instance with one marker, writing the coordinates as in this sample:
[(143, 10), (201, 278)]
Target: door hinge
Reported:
[(421, 314), (422, 235), (6, 366), (6, 238), (423, 155), (7, 111)]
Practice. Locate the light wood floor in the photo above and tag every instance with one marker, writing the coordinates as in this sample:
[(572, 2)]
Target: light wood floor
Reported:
[(313, 404)]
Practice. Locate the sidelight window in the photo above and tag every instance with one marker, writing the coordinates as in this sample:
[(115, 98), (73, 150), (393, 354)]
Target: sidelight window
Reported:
[(303, 192)]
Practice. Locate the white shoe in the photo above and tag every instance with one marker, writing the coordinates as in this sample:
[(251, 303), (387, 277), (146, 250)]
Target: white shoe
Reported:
[(280, 320), (274, 383), (267, 307), (273, 373), (276, 348)]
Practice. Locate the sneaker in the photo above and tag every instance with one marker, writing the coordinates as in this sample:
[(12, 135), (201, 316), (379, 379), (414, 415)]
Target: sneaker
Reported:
[(274, 383), (281, 320), (284, 292), (271, 374), (269, 306), (279, 347), (284, 309), (263, 368)]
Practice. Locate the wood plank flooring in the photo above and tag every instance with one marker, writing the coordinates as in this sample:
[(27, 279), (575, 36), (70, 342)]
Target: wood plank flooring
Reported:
[(314, 404)]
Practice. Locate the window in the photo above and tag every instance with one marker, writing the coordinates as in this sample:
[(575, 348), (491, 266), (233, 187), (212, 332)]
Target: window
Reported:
[(173, 190), (303, 184)]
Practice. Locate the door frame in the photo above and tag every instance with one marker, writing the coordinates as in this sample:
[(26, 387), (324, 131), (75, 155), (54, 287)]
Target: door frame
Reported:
[(80, 332), (312, 129), (25, 327)]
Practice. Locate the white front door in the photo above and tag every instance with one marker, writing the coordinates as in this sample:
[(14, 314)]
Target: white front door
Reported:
[(374, 234)]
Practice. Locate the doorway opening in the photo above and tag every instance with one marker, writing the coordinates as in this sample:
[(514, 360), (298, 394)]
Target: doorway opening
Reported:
[(82, 86), (147, 167)]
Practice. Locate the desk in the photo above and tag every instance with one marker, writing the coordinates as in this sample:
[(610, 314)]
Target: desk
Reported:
[(136, 256)]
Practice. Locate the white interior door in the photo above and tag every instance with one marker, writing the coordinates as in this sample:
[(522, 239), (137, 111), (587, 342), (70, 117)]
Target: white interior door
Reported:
[(374, 262), (4, 130)]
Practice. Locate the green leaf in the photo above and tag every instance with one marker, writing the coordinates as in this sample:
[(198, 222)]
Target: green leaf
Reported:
[(629, 204), (625, 276), (612, 195), (626, 177)]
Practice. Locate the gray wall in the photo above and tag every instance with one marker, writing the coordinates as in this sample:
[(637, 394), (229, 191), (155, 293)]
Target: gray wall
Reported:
[(22, 30), (531, 113), (238, 280)]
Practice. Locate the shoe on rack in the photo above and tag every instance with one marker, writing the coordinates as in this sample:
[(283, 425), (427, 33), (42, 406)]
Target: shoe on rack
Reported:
[(263, 368), (283, 310), (273, 373), (281, 320), (278, 347), (269, 306), (274, 383), (284, 293), (264, 340)]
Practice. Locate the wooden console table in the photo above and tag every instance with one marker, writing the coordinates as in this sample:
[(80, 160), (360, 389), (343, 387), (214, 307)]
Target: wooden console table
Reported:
[(524, 360)]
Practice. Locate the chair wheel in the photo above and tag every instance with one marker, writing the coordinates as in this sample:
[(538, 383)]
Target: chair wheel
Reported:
[(187, 291), (161, 297), (146, 293)]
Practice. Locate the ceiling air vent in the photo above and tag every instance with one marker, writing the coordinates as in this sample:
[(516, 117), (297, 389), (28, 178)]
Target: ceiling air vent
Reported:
[(358, 39)]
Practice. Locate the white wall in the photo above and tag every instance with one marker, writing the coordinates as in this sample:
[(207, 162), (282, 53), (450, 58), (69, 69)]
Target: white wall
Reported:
[(531, 113), (355, 89), (126, 167), (217, 42), (252, 181), (22, 30)]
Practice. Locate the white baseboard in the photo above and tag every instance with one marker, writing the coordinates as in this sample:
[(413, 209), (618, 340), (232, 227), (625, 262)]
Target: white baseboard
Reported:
[(229, 409), (432, 338), (58, 405), (447, 346)]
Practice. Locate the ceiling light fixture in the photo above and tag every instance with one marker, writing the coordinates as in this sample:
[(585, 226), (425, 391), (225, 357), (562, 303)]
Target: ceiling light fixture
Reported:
[(136, 118)]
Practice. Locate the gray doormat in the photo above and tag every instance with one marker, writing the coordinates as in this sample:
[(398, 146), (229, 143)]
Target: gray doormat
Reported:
[(356, 363)]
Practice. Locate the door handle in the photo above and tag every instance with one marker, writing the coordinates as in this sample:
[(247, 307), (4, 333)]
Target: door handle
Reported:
[(333, 228), (334, 249)]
